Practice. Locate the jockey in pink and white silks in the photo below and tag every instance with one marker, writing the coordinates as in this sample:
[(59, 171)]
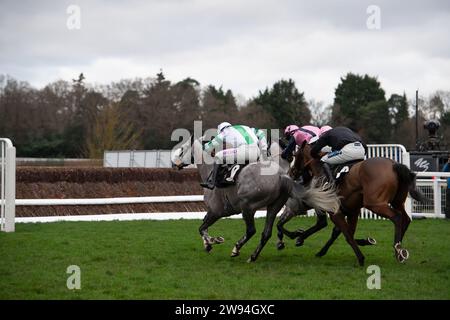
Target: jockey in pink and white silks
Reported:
[(297, 136), (236, 144)]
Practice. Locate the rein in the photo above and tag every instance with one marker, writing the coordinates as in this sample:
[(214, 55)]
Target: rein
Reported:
[(307, 163)]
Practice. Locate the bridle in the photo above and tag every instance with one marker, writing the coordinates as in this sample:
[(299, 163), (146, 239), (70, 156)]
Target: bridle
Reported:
[(307, 163)]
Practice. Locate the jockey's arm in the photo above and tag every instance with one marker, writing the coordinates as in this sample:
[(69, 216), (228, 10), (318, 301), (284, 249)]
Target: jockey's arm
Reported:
[(262, 141), (287, 152), (214, 143)]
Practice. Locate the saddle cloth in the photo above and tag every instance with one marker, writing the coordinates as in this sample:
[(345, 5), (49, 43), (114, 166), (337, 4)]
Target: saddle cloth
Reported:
[(341, 170), (227, 175)]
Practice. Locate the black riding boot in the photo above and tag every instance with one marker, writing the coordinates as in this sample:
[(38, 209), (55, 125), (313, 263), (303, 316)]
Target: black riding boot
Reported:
[(327, 172), (211, 181)]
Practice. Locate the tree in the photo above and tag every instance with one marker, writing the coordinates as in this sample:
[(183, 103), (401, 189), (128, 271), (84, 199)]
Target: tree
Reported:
[(255, 116), (187, 102), (18, 109), (436, 107), (285, 103), (353, 93), (320, 114), (111, 131), (84, 107), (218, 106), (375, 122), (398, 108)]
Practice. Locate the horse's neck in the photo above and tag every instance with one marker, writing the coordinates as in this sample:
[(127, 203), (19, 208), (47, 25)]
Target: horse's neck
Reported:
[(308, 161), (315, 168), (203, 169)]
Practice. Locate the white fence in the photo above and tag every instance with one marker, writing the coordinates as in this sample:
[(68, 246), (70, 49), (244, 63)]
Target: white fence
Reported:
[(433, 186), (8, 185), (137, 159)]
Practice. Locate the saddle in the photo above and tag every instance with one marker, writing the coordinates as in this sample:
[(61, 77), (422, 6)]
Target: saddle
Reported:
[(340, 170), (227, 175)]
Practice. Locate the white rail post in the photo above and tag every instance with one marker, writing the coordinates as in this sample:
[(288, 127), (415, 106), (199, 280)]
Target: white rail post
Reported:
[(406, 160), (437, 197), (8, 181)]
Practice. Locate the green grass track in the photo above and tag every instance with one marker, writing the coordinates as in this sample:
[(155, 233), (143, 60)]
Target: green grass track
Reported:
[(166, 260)]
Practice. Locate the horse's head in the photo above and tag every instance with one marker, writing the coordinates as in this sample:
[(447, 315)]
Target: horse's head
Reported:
[(190, 152), (183, 156), (304, 161)]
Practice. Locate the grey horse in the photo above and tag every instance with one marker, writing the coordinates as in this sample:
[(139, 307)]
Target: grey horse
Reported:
[(254, 189)]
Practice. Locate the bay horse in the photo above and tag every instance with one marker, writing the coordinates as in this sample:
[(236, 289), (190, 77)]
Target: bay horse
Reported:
[(377, 184)]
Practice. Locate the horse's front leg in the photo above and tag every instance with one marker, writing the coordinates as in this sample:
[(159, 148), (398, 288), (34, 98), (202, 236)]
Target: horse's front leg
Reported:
[(272, 211), (249, 218), (286, 216), (352, 220), (321, 223), (339, 221), (334, 235), (209, 219)]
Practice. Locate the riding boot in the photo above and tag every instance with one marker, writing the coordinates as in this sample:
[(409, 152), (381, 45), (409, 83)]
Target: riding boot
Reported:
[(211, 181), (328, 172)]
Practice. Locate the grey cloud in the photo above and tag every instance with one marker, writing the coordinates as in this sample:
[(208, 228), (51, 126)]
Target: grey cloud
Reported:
[(34, 38)]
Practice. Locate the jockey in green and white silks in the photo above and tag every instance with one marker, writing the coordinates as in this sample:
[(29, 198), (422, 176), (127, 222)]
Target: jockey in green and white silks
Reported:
[(236, 144)]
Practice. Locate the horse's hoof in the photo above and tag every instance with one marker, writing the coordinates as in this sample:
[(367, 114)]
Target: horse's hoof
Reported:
[(208, 248), (218, 240), (235, 252), (299, 242), (405, 254), (280, 245), (402, 255), (251, 259), (371, 241), (320, 254)]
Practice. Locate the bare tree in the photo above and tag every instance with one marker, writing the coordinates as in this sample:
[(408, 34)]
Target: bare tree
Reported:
[(111, 131)]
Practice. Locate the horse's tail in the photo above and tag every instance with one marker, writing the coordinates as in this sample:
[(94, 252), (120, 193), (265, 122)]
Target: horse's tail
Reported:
[(408, 178), (317, 195)]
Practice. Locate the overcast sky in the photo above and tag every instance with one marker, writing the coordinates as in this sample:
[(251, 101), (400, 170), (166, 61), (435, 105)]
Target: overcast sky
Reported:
[(242, 45)]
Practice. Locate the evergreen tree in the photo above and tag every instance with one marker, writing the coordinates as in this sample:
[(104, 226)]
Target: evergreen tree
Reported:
[(398, 108), (285, 104), (375, 122), (354, 93)]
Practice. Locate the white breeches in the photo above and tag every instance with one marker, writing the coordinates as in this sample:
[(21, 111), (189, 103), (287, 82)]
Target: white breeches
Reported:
[(351, 151), (240, 155)]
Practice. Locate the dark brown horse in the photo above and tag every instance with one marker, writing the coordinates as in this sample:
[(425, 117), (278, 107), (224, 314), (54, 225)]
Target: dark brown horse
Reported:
[(378, 184)]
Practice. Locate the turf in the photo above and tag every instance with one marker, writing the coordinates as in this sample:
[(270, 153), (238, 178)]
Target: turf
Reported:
[(166, 260)]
